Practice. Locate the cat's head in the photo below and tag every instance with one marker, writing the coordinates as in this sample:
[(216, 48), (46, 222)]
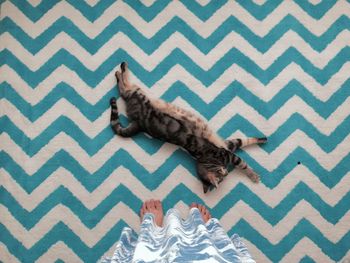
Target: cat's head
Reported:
[(211, 175)]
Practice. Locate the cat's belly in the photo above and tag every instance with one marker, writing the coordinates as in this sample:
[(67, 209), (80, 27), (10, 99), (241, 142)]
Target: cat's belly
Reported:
[(196, 125), (177, 132), (176, 126), (167, 129)]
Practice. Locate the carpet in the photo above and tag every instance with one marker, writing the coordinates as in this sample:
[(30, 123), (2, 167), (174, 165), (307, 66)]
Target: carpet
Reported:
[(279, 69)]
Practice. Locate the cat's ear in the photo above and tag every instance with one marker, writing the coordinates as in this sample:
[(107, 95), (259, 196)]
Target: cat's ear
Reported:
[(205, 188)]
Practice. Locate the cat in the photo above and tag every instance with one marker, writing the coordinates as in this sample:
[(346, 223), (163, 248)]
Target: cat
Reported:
[(175, 125)]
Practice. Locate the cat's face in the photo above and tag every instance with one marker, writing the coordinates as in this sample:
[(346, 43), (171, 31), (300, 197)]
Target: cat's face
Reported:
[(211, 175)]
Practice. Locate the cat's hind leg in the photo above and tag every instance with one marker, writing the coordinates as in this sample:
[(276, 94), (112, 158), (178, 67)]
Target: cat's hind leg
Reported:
[(125, 73), (132, 129), (235, 144), (123, 91), (238, 162)]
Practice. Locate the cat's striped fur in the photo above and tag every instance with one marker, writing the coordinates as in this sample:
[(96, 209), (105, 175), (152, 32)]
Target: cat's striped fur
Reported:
[(170, 123)]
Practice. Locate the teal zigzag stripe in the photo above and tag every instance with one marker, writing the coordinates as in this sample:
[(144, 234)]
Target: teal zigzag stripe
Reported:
[(241, 227), (208, 77), (62, 159), (91, 218), (303, 229), (262, 44), (62, 232), (178, 89), (152, 181), (151, 146), (260, 12)]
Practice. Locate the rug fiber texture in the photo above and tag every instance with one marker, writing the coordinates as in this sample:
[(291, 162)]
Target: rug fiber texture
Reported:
[(251, 68)]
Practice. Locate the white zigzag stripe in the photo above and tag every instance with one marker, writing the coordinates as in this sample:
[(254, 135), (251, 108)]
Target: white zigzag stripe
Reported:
[(236, 107), (259, 2), (346, 257), (264, 92), (257, 254), (175, 41), (91, 3), (34, 3), (292, 106), (177, 73), (203, 2), (315, 2), (271, 197), (59, 251), (148, 3), (176, 9), (61, 213), (60, 108), (5, 255), (62, 177), (91, 237), (121, 211), (306, 247), (153, 162), (276, 233), (295, 255), (298, 138), (90, 163), (60, 75)]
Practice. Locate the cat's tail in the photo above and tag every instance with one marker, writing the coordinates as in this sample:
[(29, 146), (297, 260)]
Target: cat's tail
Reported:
[(129, 131), (114, 115)]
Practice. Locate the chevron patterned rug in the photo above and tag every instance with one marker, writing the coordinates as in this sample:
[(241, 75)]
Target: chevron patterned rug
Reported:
[(281, 69)]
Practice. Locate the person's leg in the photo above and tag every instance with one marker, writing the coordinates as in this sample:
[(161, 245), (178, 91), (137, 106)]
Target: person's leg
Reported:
[(203, 210), (154, 207)]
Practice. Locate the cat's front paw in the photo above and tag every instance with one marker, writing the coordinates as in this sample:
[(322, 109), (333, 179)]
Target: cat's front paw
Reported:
[(254, 177)]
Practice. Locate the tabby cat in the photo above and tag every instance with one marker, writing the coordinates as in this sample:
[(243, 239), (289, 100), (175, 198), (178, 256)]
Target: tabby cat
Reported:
[(172, 124)]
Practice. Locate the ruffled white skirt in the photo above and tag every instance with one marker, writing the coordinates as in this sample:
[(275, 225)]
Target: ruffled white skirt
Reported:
[(179, 240)]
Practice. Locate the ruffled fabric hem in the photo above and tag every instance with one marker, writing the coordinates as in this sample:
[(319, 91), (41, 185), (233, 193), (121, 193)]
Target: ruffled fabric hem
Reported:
[(179, 240)]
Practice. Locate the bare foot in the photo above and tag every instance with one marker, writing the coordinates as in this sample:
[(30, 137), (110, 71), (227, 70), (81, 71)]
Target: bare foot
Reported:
[(154, 207), (203, 210)]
